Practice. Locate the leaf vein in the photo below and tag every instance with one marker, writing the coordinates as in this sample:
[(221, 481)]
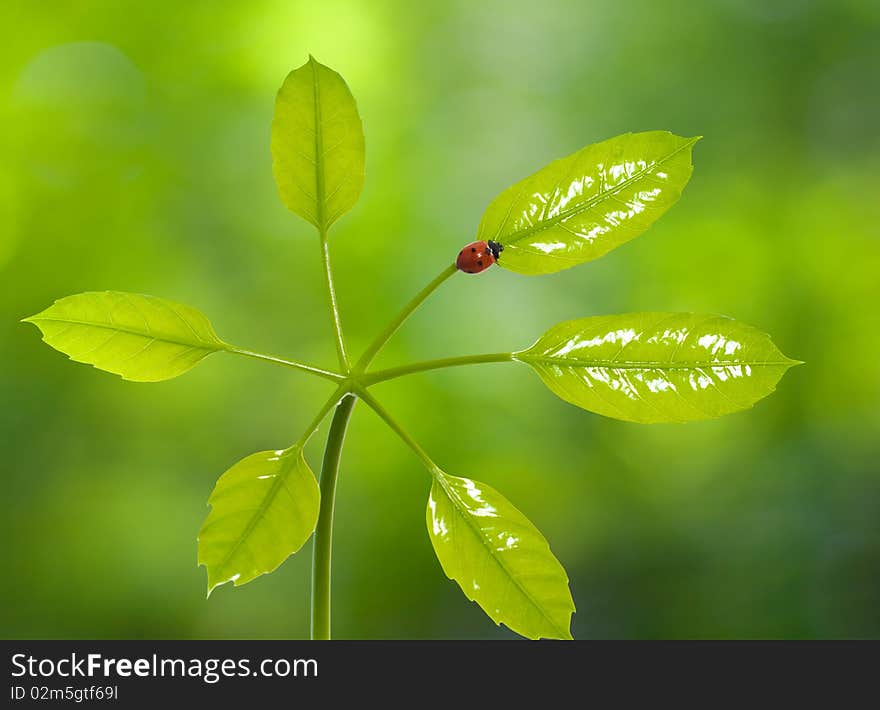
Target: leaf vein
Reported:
[(596, 199)]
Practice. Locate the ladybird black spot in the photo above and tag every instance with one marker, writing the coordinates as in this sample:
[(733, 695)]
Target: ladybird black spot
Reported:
[(480, 262), (473, 249)]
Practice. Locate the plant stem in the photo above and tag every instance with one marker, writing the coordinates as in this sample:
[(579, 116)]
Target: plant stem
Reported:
[(373, 404), (395, 372), (334, 306), (383, 337), (288, 363), (324, 529)]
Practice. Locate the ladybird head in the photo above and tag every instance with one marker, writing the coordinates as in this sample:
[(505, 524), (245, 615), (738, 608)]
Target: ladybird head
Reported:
[(495, 248)]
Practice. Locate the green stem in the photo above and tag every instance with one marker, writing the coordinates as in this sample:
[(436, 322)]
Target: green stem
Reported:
[(395, 372), (288, 363), (324, 529), (373, 404), (334, 305), (383, 337)]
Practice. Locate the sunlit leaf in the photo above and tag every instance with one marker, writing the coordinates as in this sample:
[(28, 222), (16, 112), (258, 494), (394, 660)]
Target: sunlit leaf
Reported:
[(263, 509), (141, 338), (580, 207), (657, 367), (317, 145), (499, 559)]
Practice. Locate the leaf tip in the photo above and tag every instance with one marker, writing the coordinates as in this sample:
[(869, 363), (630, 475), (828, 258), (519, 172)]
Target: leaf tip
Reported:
[(554, 633), (213, 582), (564, 631)]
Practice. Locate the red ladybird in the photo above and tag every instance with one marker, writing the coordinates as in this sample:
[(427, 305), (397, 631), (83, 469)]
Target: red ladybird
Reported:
[(478, 256)]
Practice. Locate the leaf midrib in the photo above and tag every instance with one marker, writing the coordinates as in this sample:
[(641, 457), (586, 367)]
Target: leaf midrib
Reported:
[(591, 202), (260, 511), (646, 364), (199, 344), (319, 152), (462, 510)]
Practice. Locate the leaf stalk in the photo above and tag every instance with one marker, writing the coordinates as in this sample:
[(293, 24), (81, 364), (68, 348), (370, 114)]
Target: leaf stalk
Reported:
[(327, 374), (335, 318), (392, 373), (373, 404), (373, 349)]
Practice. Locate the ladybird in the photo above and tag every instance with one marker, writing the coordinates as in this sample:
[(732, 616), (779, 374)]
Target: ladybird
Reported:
[(478, 256)]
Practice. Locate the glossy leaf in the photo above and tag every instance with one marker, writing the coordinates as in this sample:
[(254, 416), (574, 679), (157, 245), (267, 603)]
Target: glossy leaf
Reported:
[(317, 145), (657, 367), (499, 559), (263, 509), (580, 207), (140, 338)]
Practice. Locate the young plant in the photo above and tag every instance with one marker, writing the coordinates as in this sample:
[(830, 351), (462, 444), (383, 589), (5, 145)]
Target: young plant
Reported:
[(639, 367)]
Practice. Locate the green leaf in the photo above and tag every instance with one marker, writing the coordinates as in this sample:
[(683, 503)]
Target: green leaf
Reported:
[(579, 208), (657, 367), (141, 338), (317, 145), (263, 509), (499, 559)]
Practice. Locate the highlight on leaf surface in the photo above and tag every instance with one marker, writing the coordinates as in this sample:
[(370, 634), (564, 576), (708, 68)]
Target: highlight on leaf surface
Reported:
[(141, 338), (317, 145), (582, 206), (499, 559), (263, 509), (657, 367)]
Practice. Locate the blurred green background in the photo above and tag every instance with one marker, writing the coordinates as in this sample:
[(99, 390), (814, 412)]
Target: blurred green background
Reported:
[(136, 157)]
